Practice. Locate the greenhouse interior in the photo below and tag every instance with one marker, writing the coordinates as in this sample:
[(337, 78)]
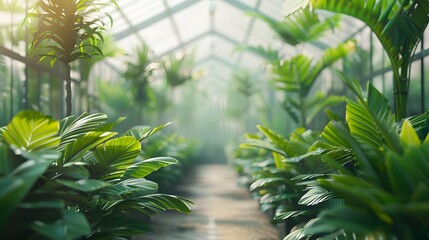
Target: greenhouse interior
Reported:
[(214, 119)]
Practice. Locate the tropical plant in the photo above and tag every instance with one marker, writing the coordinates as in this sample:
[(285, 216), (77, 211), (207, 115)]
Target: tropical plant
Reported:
[(177, 68), (386, 169), (73, 179), (399, 25), (277, 181), (181, 148), (138, 75), (296, 77), (301, 26), (67, 31)]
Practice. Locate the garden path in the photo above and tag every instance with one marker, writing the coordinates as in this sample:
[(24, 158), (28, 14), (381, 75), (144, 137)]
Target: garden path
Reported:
[(222, 210)]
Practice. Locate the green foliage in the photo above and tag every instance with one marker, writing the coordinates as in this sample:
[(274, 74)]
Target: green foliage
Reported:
[(301, 26), (67, 30), (72, 179), (296, 77), (182, 149), (177, 68), (138, 74), (399, 25), (365, 177), (385, 168)]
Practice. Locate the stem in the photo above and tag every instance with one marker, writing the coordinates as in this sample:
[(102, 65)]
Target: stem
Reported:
[(68, 90)]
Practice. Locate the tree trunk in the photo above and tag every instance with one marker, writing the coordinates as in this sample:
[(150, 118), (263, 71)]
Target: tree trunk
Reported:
[(68, 90)]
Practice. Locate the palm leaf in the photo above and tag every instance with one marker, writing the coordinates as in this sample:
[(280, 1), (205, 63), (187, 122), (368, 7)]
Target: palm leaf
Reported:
[(269, 54), (73, 127), (145, 167), (371, 120), (31, 131), (319, 102), (301, 26), (77, 149), (398, 25), (129, 187), (142, 132), (162, 202), (115, 156), (17, 185)]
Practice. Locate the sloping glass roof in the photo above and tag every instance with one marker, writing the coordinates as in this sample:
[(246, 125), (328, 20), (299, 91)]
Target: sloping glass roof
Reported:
[(212, 28)]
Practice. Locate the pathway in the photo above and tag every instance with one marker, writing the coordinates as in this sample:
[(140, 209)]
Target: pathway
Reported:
[(222, 211)]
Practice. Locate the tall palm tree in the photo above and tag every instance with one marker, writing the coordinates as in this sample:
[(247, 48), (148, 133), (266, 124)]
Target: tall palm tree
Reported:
[(67, 31)]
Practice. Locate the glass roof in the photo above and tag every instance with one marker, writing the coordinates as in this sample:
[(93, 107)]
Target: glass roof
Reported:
[(212, 28)]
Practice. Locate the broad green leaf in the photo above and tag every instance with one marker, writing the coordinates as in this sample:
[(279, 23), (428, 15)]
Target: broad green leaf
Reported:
[(71, 226), (408, 135), (315, 195), (143, 132), (31, 131), (129, 187), (399, 27), (256, 143), (15, 187), (115, 156), (118, 225), (264, 182), (405, 172), (347, 218), (6, 164), (73, 127), (162, 202), (145, 167), (12, 191), (75, 150), (290, 214)]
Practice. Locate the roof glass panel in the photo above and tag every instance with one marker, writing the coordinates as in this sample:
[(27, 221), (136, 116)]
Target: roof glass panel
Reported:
[(138, 11), (230, 21), (193, 20), (160, 36), (272, 8)]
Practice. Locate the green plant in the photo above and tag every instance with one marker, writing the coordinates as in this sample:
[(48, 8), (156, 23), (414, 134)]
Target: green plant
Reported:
[(301, 26), (67, 31), (399, 25), (296, 77), (386, 169), (138, 74), (74, 179), (278, 181), (177, 68)]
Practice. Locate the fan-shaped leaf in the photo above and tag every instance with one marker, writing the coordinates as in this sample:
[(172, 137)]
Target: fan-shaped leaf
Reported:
[(73, 127), (31, 131), (145, 167), (115, 156), (75, 150)]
